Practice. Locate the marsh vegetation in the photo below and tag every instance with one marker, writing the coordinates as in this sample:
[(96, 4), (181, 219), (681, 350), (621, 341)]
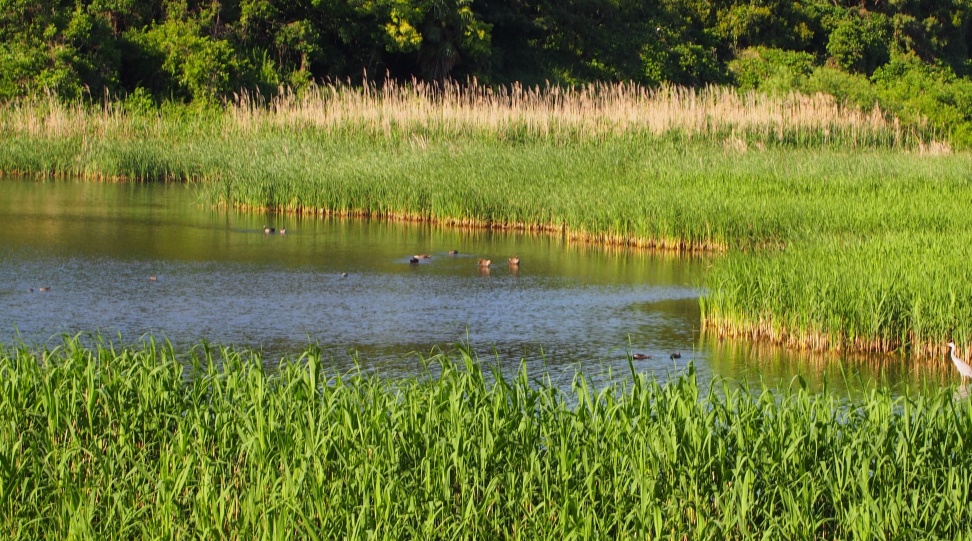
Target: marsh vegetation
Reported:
[(842, 229), (145, 442)]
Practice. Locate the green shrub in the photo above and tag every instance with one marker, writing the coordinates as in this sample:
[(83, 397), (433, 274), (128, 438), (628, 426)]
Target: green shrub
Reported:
[(919, 92), (858, 45), (771, 70), (848, 88)]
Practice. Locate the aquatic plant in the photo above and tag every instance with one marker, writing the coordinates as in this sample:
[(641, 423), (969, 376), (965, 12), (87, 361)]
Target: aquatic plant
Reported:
[(147, 442)]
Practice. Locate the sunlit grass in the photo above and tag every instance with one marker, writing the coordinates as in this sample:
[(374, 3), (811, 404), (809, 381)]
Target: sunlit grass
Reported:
[(145, 442), (905, 290)]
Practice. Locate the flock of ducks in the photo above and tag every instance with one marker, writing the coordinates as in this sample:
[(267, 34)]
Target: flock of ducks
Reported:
[(642, 356), (512, 262)]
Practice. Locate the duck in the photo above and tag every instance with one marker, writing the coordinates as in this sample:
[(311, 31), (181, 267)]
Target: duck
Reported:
[(153, 278), (453, 252), (640, 356), (414, 260), (675, 355), (44, 289), (484, 262), (423, 256), (267, 229), (514, 261), (344, 275), (283, 231)]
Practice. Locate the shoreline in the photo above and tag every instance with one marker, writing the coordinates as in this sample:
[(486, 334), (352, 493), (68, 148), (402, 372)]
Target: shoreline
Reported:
[(754, 332)]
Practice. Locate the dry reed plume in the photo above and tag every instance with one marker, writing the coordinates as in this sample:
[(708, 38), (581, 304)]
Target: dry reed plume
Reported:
[(589, 112)]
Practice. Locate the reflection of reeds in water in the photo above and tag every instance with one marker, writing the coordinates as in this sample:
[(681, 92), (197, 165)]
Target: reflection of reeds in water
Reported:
[(855, 369)]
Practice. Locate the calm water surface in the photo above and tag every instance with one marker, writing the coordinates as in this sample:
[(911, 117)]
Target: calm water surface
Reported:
[(222, 280)]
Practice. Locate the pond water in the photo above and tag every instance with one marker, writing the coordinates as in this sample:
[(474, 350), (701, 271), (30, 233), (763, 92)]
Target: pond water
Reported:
[(220, 278)]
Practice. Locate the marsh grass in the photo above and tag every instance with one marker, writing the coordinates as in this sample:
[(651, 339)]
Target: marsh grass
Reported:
[(902, 290), (144, 442)]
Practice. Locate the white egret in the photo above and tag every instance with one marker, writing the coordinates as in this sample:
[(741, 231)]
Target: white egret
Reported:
[(963, 367)]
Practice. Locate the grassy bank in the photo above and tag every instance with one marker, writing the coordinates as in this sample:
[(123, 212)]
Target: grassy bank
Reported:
[(844, 229), (901, 290), (131, 443)]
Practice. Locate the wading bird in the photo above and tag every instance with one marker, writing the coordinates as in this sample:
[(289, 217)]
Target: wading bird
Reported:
[(484, 262), (963, 367), (513, 261)]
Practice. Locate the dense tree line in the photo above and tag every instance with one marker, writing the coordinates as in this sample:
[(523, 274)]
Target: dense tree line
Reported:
[(188, 50)]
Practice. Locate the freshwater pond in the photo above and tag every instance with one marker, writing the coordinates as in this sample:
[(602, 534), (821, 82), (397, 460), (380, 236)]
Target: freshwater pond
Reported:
[(219, 278)]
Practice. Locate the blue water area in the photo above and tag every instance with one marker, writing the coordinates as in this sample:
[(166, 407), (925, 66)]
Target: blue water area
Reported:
[(127, 261)]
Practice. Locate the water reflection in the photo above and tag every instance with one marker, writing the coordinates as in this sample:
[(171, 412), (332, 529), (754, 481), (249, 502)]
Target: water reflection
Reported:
[(755, 364), (349, 286)]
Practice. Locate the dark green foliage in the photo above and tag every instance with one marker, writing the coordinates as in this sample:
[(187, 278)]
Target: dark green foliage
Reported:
[(848, 88), (767, 69), (858, 44), (915, 90), (190, 49)]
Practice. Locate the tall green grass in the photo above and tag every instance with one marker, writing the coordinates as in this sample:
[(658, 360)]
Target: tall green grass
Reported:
[(908, 291), (144, 442)]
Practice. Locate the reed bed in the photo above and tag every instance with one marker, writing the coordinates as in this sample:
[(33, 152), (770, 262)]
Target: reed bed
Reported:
[(587, 113), (509, 113), (896, 291), (144, 442)]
